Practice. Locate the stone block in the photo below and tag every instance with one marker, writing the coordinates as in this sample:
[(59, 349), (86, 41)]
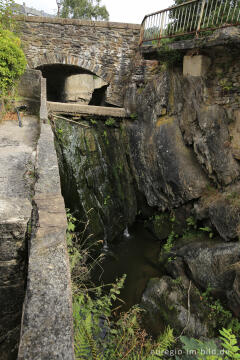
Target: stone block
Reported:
[(197, 65)]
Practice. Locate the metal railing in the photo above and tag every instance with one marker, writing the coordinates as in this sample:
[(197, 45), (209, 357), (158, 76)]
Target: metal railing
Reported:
[(190, 17)]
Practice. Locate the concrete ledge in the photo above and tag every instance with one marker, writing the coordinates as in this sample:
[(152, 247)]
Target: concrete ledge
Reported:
[(228, 36), (103, 24), (85, 109)]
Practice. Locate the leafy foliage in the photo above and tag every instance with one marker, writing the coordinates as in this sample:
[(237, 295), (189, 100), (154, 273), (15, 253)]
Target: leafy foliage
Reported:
[(6, 15), (229, 342), (12, 58), (110, 121), (84, 9), (98, 334), (210, 350)]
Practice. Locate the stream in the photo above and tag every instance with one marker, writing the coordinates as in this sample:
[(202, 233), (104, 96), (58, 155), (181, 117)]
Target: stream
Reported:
[(134, 255)]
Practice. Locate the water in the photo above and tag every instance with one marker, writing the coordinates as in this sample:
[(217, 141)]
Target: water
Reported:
[(135, 254), (126, 233)]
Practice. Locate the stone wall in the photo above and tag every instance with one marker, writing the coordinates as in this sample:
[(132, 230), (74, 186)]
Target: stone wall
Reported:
[(17, 158), (103, 48), (29, 89)]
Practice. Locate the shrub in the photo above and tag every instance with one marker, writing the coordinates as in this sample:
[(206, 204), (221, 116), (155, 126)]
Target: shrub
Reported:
[(12, 60)]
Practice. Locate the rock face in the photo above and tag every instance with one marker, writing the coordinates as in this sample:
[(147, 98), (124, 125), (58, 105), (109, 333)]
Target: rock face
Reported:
[(96, 178), (184, 153), (165, 168), (79, 88), (165, 302), (17, 159)]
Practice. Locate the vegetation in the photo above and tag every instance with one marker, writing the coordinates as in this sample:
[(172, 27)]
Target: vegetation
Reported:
[(98, 335), (84, 9), (209, 350), (110, 121), (12, 58)]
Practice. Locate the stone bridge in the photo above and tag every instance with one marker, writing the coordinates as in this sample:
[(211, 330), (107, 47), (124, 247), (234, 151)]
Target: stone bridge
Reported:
[(101, 48)]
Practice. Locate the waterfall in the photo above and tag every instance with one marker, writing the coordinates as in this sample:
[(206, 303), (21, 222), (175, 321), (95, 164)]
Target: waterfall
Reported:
[(126, 233)]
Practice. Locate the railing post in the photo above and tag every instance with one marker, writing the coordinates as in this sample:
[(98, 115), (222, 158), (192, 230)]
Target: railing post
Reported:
[(141, 33), (201, 16), (161, 27)]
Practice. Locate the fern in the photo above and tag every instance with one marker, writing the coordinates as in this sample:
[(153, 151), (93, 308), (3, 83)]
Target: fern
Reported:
[(163, 343), (229, 342), (196, 349)]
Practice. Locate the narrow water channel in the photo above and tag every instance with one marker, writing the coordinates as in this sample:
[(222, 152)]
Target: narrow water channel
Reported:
[(136, 256)]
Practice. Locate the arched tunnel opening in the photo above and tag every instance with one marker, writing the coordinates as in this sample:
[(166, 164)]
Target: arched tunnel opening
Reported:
[(72, 84)]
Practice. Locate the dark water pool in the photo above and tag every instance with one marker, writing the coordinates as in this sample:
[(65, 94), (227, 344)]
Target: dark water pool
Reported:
[(136, 256)]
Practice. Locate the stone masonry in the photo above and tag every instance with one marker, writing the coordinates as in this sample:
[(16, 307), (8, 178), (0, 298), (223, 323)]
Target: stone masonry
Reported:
[(104, 48)]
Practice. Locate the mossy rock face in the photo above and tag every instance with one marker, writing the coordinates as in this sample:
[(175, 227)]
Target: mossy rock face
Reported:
[(96, 179)]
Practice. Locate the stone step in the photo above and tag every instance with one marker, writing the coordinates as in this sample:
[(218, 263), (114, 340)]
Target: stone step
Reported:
[(68, 108)]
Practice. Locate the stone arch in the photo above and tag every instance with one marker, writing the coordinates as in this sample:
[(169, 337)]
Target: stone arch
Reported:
[(83, 64), (52, 58)]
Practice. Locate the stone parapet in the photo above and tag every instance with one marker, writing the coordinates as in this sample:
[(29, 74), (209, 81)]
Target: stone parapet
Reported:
[(55, 20), (47, 325)]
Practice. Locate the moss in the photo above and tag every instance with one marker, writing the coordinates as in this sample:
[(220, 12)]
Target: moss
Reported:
[(95, 175)]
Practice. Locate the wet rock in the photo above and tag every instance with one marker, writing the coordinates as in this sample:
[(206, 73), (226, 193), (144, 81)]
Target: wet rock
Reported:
[(208, 263), (97, 182), (166, 303)]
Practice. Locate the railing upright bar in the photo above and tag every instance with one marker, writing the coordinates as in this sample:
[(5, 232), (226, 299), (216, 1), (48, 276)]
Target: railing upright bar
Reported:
[(154, 24), (197, 16), (205, 14), (174, 19), (179, 21), (194, 8), (189, 13), (210, 11), (228, 13), (184, 21), (238, 15), (235, 7), (201, 16), (158, 25), (161, 25)]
